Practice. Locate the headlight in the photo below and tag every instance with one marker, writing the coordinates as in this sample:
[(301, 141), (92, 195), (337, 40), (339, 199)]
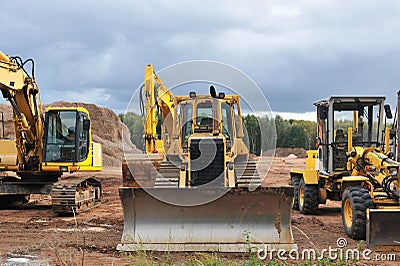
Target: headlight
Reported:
[(393, 171), (370, 168)]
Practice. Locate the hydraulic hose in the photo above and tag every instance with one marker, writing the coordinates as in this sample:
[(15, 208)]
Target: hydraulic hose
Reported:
[(386, 183)]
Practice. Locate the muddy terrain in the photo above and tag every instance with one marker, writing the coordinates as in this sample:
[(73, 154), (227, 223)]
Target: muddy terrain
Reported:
[(33, 234)]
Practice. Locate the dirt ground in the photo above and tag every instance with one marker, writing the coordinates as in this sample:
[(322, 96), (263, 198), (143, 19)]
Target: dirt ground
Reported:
[(33, 235)]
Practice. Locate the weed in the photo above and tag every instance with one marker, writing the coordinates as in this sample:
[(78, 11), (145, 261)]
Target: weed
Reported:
[(360, 245), (250, 257), (207, 259), (140, 256)]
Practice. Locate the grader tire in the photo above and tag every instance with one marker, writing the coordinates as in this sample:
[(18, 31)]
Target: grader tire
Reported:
[(355, 202), (296, 184), (308, 198)]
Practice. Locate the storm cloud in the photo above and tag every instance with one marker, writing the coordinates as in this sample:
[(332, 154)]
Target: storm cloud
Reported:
[(296, 51)]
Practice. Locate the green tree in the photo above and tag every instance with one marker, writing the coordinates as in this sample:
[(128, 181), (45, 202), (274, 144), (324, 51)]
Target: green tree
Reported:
[(135, 125), (260, 132), (282, 127), (254, 133), (268, 131), (295, 133)]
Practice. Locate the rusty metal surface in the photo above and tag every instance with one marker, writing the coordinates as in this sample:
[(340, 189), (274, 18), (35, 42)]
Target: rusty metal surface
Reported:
[(383, 231), (140, 170), (229, 224), (14, 188)]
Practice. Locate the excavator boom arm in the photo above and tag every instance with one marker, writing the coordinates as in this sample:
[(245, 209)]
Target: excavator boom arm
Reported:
[(156, 94), (22, 92)]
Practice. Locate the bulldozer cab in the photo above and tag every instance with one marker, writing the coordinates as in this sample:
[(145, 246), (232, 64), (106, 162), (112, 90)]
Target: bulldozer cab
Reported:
[(207, 134), (202, 116), (362, 118)]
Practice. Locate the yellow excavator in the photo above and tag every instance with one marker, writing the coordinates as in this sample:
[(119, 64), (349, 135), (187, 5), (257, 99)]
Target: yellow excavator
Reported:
[(195, 188), (45, 146), (353, 164)]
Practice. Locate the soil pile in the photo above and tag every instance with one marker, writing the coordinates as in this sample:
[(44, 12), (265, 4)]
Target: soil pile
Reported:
[(107, 129), (6, 113)]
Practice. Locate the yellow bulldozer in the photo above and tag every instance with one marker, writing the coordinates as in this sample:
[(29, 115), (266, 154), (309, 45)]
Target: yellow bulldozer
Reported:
[(195, 187), (353, 164)]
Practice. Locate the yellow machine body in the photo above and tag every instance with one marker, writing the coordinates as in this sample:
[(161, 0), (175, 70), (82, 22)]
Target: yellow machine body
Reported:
[(92, 161), (8, 155), (201, 153), (46, 145), (353, 164)]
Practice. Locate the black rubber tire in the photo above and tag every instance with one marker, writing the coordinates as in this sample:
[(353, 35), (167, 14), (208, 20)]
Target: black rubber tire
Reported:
[(359, 201), (295, 182), (309, 204)]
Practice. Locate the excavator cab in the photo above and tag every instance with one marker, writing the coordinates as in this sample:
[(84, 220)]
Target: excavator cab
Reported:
[(67, 142), (62, 141)]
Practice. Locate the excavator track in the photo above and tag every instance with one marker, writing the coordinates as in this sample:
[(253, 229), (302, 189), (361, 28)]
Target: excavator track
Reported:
[(74, 195)]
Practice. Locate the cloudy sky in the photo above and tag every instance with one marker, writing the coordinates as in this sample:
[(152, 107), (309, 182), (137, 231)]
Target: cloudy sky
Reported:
[(296, 51)]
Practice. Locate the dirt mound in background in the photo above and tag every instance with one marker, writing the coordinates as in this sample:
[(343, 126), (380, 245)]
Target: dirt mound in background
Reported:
[(107, 129), (8, 125), (284, 152)]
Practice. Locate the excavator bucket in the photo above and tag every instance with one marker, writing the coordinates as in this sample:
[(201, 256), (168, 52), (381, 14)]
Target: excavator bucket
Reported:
[(383, 232), (238, 220)]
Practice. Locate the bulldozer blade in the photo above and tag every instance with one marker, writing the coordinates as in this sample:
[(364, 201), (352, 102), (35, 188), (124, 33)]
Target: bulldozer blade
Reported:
[(235, 222), (383, 232)]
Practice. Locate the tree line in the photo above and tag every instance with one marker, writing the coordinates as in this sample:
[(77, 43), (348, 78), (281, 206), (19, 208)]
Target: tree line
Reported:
[(261, 133), (287, 134)]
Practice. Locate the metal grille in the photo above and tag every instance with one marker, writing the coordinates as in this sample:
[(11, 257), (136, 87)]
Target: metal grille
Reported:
[(207, 161)]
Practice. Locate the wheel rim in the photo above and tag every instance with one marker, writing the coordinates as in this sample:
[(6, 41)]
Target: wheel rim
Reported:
[(348, 213), (301, 196)]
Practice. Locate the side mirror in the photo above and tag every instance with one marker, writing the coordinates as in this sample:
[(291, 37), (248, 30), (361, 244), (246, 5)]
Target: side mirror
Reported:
[(323, 112), (388, 111), (86, 125)]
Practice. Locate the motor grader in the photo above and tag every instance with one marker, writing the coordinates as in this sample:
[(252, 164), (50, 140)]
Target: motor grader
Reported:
[(353, 164), (45, 146), (195, 188)]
